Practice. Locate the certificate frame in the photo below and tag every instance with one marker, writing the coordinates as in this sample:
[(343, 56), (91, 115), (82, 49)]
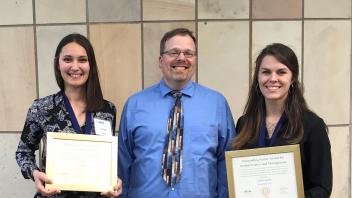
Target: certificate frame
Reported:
[(255, 162), (78, 162)]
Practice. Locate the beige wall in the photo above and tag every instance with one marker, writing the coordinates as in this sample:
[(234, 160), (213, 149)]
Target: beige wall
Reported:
[(126, 34)]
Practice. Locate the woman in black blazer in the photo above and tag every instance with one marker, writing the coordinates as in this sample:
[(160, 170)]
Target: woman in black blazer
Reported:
[(276, 114)]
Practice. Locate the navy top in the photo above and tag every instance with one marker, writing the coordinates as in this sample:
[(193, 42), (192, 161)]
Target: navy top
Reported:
[(315, 154)]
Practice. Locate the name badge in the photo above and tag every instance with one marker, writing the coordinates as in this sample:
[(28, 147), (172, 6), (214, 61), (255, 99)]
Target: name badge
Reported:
[(102, 127)]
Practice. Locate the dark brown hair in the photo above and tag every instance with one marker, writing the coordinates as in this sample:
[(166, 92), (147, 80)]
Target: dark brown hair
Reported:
[(175, 32), (294, 105), (94, 95)]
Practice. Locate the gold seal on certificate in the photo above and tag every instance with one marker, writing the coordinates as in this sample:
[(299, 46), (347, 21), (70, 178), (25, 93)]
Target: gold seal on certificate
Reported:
[(265, 172), (265, 192), (77, 162)]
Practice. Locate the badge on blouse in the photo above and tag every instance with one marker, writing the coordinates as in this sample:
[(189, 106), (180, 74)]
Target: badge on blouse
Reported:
[(102, 127)]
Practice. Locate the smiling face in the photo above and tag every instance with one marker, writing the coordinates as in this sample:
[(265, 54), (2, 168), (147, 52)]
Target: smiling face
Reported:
[(274, 79), (74, 65), (177, 71)]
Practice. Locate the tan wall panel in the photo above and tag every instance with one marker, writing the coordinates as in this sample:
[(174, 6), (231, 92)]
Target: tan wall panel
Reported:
[(327, 8), (118, 52), (223, 9), (276, 9), (340, 145), (63, 11), (114, 10), (168, 10), (223, 63), (327, 69), (16, 12), (17, 77), (15, 185)]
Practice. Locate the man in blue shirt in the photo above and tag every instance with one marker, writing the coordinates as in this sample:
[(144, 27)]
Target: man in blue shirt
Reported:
[(208, 128)]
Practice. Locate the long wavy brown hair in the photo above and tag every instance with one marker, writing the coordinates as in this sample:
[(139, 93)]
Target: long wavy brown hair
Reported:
[(294, 106)]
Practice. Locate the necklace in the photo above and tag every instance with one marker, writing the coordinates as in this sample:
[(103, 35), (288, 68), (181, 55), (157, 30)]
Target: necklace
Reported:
[(270, 126)]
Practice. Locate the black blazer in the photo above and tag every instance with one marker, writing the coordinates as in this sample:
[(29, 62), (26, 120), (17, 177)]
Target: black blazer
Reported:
[(315, 155)]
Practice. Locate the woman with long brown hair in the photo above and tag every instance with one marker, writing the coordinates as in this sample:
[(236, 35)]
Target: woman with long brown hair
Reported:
[(276, 114), (71, 110)]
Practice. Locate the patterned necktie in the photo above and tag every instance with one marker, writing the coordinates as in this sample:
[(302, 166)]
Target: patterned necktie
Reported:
[(172, 154)]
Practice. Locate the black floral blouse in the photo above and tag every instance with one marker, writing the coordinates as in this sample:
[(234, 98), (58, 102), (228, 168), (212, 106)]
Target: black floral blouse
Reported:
[(49, 114)]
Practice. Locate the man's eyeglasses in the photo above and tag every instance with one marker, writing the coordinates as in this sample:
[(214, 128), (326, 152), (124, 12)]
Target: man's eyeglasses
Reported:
[(176, 52)]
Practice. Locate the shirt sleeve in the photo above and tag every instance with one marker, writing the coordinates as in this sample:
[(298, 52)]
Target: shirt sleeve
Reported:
[(125, 152), (318, 174), (113, 119), (226, 134), (29, 142)]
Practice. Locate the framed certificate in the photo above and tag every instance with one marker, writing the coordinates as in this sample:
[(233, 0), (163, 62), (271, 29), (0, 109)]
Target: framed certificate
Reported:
[(265, 172), (77, 162)]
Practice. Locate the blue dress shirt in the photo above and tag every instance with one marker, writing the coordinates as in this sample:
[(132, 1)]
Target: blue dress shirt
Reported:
[(208, 129)]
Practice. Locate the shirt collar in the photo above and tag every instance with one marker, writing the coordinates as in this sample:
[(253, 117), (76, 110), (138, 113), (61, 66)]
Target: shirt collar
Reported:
[(59, 98), (188, 90)]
